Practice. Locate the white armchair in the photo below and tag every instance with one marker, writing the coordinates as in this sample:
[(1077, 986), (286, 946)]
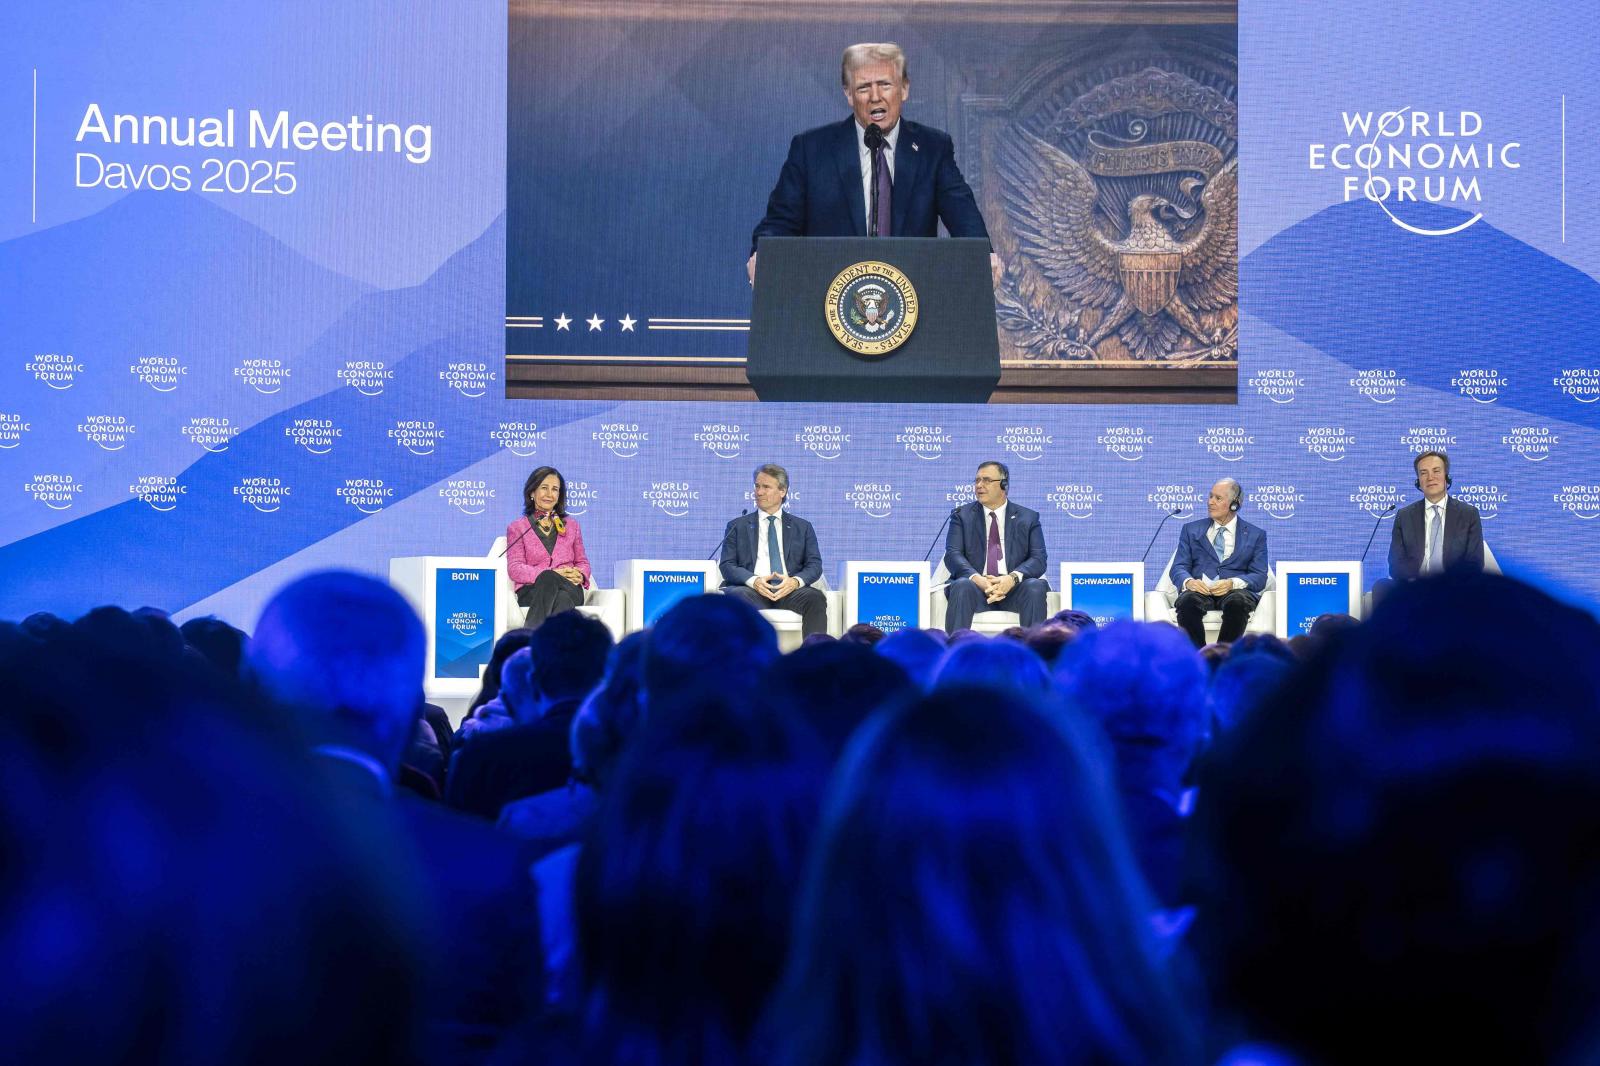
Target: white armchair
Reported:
[(1160, 605), (608, 605), (787, 623), (988, 623)]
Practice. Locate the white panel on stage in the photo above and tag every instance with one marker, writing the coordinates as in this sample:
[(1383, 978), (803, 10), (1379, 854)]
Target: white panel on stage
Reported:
[(654, 585), (462, 601), (1106, 592), (1307, 590)]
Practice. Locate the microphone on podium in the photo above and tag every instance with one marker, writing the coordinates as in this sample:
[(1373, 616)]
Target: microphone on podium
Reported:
[(1381, 516), (873, 139), (742, 512)]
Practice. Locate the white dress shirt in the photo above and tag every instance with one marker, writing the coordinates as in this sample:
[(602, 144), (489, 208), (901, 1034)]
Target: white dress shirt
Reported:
[(763, 560), (1229, 543), (1427, 529), (891, 138), (1000, 523)]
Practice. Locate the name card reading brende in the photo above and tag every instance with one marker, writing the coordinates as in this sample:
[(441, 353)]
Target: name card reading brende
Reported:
[(1307, 591), (1106, 592), (888, 595), (463, 620)]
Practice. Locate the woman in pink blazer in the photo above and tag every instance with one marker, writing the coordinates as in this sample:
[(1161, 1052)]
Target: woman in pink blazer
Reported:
[(545, 549)]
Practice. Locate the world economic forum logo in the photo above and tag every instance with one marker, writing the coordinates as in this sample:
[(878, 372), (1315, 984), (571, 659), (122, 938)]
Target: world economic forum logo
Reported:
[(1027, 443), (266, 376), (519, 438), (365, 494), (13, 427), (55, 491), (419, 436), (579, 497), (1181, 498), (1076, 501), (265, 494), (823, 441), (1419, 439), (1533, 443), (1328, 443), (1276, 384), (1226, 442), (924, 441), (1580, 383), (161, 492), (722, 439), (1378, 500), (1277, 501), (467, 495), (622, 439), (1582, 501), (1488, 499), (1126, 442), (56, 369), (212, 433), (1378, 385), (315, 435), (671, 498), (366, 376), (161, 372), (1404, 157), (108, 432), (471, 380), (1480, 384), (875, 499)]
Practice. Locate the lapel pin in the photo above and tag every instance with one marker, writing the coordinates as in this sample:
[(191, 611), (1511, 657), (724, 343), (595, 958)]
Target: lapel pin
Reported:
[(914, 147)]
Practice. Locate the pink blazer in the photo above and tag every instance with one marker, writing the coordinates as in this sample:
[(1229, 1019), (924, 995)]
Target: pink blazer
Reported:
[(527, 558)]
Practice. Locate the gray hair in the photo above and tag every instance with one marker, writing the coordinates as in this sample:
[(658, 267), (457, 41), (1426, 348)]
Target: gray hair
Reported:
[(775, 472), (1238, 489), (859, 55)]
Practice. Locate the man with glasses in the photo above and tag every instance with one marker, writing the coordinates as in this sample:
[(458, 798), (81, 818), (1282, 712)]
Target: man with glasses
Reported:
[(995, 554), (771, 558)]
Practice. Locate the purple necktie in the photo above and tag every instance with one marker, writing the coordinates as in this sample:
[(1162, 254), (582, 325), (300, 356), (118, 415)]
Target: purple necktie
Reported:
[(884, 187), (991, 564)]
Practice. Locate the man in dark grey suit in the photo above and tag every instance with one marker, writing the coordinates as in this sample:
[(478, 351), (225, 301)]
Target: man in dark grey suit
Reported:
[(995, 554), (1221, 565), (771, 559), (1436, 533)]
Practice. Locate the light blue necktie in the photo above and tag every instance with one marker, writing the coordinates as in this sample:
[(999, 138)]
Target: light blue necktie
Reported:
[(1220, 542), (1435, 560), (774, 553)]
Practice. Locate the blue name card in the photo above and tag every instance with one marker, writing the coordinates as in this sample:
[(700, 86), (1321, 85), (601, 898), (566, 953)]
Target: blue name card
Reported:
[(889, 601), (463, 620), (1104, 597), (663, 588), (1309, 595)]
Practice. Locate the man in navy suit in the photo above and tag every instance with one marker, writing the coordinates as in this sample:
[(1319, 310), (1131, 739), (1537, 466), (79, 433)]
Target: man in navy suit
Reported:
[(771, 558), (1221, 565), (825, 187), (1436, 533), (995, 554)]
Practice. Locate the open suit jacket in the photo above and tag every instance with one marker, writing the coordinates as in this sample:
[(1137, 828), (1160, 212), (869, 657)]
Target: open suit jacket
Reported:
[(1462, 545), (966, 546), (1197, 557), (801, 556), (527, 559), (819, 190)]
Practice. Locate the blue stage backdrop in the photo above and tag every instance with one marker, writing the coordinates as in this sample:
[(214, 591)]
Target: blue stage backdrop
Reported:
[(276, 343)]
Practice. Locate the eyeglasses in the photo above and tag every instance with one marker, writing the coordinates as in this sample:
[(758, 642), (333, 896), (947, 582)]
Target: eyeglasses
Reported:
[(986, 481)]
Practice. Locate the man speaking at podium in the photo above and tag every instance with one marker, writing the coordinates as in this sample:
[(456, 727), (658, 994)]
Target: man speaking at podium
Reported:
[(836, 174)]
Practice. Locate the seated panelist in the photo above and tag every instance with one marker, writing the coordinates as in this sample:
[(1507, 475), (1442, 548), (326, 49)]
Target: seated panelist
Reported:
[(1221, 565), (1436, 533), (771, 559), (544, 549), (995, 554)]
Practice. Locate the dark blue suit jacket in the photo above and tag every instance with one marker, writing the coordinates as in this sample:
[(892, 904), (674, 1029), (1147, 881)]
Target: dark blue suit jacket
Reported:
[(1198, 558), (819, 189), (1463, 539), (801, 556), (966, 546)]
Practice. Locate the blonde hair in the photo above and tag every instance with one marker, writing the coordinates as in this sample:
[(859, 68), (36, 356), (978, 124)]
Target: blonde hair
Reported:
[(859, 55)]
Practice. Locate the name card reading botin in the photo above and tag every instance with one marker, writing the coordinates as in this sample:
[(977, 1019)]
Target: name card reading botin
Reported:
[(463, 620), (871, 308), (663, 588)]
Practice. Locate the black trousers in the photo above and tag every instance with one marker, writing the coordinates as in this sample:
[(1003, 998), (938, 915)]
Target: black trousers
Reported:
[(549, 594), (808, 602), (1235, 607)]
